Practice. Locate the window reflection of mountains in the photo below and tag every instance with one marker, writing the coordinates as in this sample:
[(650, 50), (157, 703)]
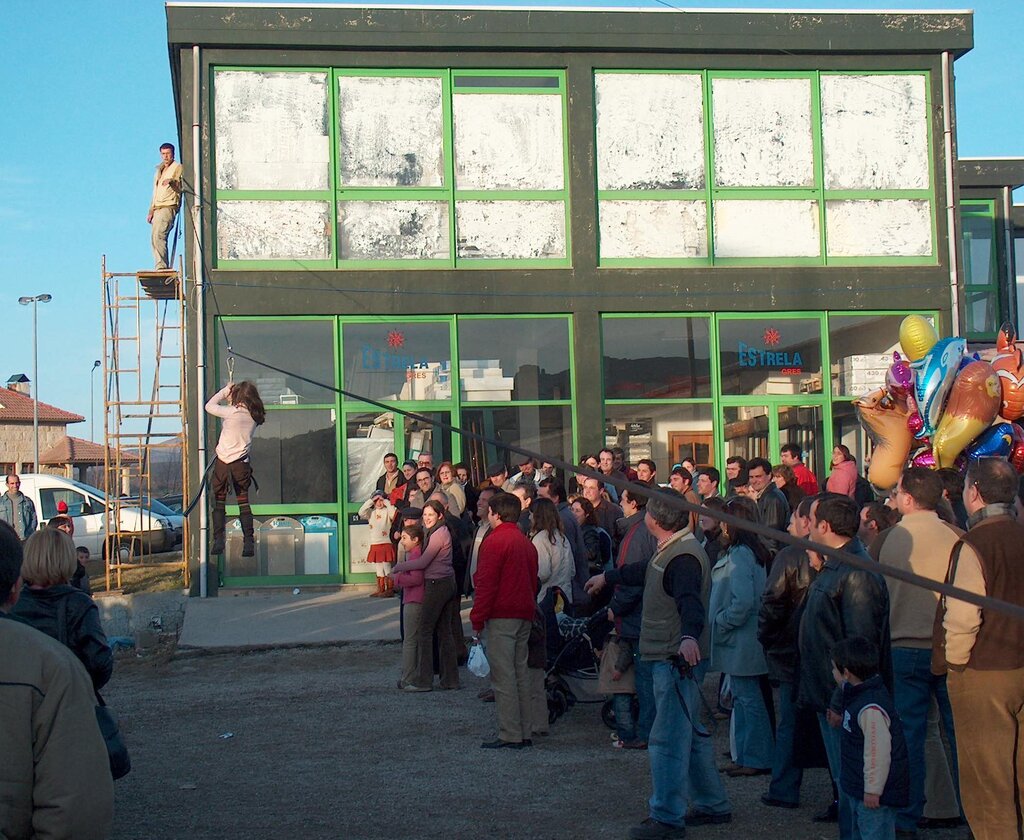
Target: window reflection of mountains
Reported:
[(666, 377)]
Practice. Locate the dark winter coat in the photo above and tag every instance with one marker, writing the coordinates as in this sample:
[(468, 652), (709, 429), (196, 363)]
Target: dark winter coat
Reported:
[(779, 618)]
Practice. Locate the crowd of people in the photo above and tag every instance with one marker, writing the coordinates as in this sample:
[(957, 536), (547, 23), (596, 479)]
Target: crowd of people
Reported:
[(823, 662)]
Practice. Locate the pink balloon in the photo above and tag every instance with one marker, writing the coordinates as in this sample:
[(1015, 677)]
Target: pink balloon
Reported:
[(925, 459), (915, 423)]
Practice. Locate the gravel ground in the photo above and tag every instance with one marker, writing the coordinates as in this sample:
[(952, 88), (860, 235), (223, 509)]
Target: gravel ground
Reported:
[(324, 746)]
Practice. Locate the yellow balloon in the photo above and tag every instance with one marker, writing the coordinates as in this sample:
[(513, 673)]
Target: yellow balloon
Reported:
[(917, 337)]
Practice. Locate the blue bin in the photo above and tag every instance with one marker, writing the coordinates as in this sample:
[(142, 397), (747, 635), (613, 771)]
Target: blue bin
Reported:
[(321, 548)]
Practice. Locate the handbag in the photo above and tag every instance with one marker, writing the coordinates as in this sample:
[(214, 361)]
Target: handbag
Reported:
[(117, 750)]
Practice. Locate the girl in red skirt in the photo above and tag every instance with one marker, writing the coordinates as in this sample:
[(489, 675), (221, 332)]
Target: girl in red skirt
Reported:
[(380, 513)]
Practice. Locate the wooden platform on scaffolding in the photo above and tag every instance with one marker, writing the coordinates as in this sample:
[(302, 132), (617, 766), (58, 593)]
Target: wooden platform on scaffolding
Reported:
[(162, 284)]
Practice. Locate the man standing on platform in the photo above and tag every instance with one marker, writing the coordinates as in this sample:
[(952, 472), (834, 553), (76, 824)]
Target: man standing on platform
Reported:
[(166, 200), (17, 509)]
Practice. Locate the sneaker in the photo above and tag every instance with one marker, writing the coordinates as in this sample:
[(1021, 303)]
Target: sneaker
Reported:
[(739, 772), (695, 818), (651, 829), (415, 688), (618, 743)]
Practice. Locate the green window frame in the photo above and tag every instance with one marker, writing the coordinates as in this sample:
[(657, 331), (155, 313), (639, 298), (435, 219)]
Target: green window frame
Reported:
[(527, 82), (981, 211), (825, 400), (714, 195)]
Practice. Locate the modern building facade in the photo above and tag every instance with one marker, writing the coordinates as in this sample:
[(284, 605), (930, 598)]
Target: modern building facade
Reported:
[(685, 233)]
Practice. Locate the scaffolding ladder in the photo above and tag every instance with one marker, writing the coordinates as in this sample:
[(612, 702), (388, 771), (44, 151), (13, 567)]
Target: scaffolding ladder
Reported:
[(144, 405)]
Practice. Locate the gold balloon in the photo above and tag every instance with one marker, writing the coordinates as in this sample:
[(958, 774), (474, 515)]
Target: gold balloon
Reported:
[(917, 337), (973, 404)]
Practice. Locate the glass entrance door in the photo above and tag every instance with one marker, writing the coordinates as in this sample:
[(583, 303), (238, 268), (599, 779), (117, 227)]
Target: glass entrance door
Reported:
[(760, 431)]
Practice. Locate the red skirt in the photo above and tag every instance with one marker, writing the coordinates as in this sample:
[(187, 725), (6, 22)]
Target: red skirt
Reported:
[(383, 553)]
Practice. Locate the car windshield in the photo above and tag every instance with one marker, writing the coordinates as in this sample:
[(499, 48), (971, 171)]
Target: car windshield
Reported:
[(157, 506)]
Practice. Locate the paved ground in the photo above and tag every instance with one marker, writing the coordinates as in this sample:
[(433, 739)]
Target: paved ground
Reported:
[(323, 746)]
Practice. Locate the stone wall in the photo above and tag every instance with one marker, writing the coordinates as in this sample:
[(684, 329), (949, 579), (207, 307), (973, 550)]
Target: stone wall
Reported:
[(16, 442)]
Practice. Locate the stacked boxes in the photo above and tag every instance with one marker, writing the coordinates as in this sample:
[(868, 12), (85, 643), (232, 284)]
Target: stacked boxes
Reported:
[(432, 381), (856, 375), (483, 381)]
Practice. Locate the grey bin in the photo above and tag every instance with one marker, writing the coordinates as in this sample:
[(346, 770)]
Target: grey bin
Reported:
[(280, 547), (235, 565), (321, 547)]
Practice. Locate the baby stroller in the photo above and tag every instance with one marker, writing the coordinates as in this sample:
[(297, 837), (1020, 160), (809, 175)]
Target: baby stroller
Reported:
[(572, 663)]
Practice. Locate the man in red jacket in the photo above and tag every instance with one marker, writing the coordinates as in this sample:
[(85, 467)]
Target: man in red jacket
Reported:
[(504, 604), (793, 456)]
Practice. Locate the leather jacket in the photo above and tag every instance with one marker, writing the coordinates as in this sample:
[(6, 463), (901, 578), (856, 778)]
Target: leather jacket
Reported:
[(779, 618), (773, 512), (841, 602)]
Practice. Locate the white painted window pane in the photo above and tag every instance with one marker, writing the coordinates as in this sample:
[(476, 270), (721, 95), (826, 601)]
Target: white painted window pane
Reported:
[(763, 132), (650, 131), (766, 229), (393, 230), (653, 229), (510, 230), (271, 131), (874, 132), (273, 230), (508, 142), (879, 228), (391, 132)]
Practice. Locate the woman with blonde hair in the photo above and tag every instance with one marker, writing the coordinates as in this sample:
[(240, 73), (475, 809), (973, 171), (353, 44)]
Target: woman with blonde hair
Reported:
[(448, 480), (243, 413), (49, 603)]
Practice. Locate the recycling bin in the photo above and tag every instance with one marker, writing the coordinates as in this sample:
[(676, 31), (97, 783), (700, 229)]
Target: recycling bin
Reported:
[(321, 545), (280, 545), (235, 565)]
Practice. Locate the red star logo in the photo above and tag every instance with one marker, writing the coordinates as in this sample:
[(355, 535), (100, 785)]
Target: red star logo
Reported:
[(771, 337), (396, 339)]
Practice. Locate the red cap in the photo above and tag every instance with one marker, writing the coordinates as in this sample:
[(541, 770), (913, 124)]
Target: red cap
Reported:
[(62, 507)]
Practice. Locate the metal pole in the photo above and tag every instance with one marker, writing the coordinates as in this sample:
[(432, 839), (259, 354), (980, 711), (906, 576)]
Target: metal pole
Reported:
[(952, 225), (197, 248), (92, 401), (35, 380)]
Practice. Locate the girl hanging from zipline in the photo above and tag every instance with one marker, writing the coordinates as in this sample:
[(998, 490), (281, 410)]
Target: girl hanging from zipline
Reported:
[(243, 413)]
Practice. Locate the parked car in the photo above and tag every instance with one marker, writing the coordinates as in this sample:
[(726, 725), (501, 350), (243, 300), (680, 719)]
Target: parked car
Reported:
[(176, 520), (175, 502), (93, 515)]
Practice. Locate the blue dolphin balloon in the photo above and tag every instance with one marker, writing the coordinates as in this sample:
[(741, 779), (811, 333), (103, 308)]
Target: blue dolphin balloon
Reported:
[(933, 377), (995, 442)]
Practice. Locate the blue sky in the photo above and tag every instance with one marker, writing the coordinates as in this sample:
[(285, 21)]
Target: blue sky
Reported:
[(86, 101)]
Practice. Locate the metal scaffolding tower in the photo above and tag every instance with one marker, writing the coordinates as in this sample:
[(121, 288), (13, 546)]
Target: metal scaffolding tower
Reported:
[(144, 406)]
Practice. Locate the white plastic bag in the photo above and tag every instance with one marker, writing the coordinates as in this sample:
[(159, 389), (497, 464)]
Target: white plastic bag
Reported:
[(478, 664)]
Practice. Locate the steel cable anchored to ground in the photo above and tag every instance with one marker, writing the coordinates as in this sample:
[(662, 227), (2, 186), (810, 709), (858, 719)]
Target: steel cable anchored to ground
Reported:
[(673, 500)]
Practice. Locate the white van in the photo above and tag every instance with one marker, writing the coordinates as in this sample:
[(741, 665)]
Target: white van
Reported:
[(88, 507)]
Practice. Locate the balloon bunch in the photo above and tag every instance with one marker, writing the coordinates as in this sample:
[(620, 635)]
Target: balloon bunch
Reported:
[(941, 407)]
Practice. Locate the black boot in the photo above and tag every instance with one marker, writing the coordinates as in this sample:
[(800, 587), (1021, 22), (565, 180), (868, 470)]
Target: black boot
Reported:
[(248, 542), (219, 519)]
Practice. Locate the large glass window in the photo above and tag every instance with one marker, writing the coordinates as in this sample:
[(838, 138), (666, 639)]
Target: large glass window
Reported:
[(980, 309), (532, 359), (860, 351), (744, 167), (398, 360), (546, 429), (664, 433), (369, 437), (656, 358), (771, 356), (302, 347), (295, 458), (746, 431)]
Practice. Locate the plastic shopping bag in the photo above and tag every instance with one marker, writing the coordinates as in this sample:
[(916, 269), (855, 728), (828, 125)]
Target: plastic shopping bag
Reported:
[(478, 664)]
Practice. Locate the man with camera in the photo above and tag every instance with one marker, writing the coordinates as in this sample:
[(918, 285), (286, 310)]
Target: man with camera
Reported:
[(674, 639)]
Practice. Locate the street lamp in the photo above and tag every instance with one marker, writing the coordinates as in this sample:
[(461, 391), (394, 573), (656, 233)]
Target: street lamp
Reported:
[(92, 401), (25, 301)]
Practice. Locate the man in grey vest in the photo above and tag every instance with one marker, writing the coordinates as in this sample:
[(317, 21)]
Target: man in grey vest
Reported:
[(674, 639)]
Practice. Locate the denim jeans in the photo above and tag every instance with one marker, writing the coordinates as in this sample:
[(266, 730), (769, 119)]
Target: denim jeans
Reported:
[(625, 725), (752, 728), (831, 738), (869, 823), (913, 687), (682, 757), (786, 777), (644, 697)]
